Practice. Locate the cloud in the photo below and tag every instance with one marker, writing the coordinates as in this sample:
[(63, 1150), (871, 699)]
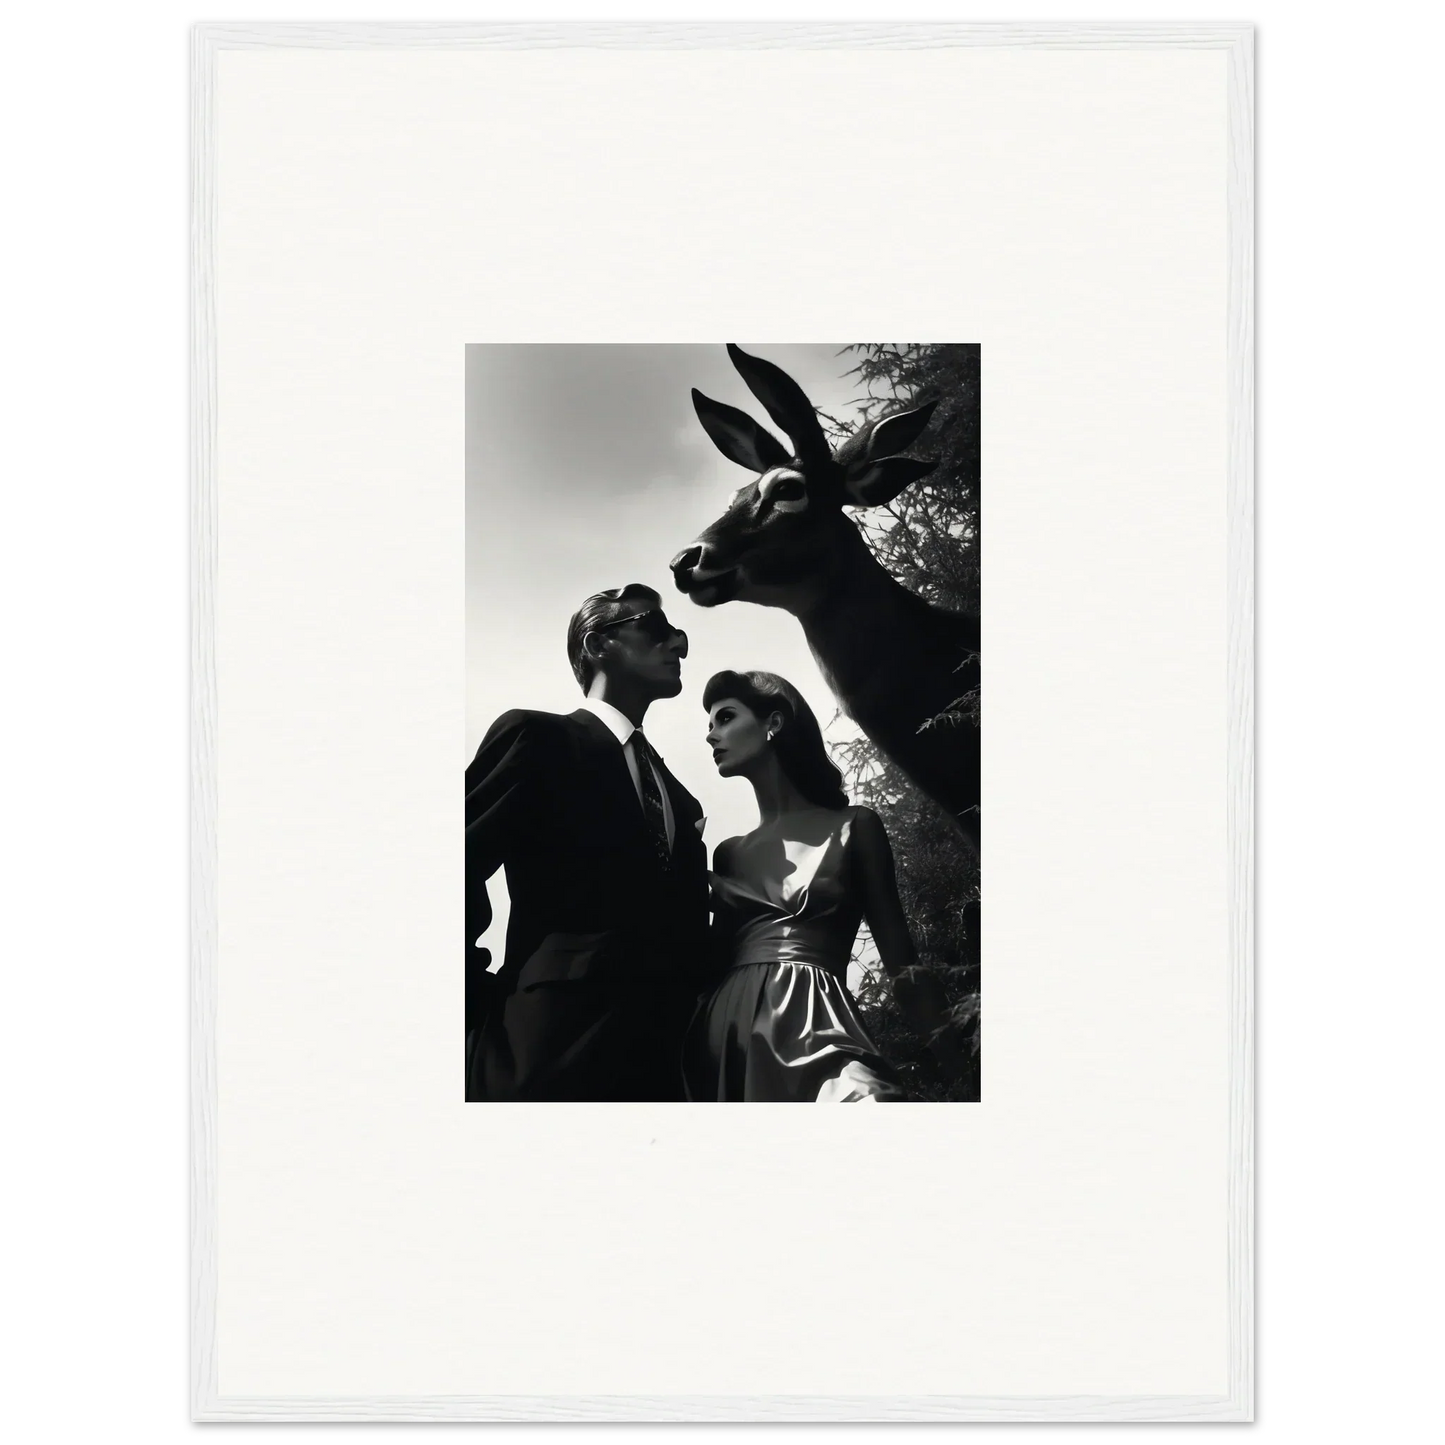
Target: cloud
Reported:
[(612, 419), (604, 420)]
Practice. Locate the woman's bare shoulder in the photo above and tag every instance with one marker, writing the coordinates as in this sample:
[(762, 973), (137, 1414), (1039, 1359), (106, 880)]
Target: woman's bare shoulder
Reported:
[(867, 833), (865, 820)]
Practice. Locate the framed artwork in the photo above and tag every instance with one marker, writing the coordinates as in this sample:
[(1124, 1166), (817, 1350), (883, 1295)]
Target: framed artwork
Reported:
[(757, 457)]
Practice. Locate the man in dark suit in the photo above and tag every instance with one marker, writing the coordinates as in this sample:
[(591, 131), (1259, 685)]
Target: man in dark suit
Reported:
[(607, 874)]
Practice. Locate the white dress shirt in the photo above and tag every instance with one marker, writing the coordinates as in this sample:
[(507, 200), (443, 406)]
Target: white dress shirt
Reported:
[(621, 727)]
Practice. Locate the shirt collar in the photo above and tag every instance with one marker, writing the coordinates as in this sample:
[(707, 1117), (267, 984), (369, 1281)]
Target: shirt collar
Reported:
[(617, 722)]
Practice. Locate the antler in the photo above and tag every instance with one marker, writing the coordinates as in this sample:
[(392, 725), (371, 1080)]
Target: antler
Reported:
[(737, 436), (787, 404), (866, 468)]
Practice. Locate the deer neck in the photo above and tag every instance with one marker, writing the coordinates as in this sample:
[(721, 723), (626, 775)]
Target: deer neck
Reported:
[(857, 604), (879, 645)]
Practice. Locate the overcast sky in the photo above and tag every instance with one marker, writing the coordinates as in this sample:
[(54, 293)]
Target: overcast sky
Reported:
[(587, 468)]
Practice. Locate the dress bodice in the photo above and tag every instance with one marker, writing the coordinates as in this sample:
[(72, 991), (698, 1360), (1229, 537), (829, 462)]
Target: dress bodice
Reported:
[(790, 900)]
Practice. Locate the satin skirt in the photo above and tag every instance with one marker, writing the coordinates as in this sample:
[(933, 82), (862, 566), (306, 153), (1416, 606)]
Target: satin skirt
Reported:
[(783, 1033)]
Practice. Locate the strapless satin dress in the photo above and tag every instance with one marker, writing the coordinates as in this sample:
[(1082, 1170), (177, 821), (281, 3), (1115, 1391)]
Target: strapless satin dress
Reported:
[(782, 1026)]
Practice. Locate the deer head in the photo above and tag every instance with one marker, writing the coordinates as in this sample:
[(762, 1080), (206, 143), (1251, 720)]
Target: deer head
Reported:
[(784, 540)]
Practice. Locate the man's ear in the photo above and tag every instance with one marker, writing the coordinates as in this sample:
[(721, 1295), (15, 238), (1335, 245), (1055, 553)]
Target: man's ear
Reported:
[(592, 645)]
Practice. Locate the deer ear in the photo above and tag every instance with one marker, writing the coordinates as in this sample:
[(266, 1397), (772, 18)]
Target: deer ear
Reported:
[(786, 402), (871, 484), (897, 432), (737, 436)]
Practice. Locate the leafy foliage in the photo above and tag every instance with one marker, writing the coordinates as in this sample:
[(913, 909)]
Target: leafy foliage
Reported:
[(927, 538)]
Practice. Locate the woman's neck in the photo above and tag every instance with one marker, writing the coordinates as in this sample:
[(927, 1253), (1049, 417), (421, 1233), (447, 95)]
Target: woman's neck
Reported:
[(775, 791)]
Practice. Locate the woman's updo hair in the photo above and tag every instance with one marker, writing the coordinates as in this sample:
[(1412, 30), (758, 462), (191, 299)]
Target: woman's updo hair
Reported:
[(799, 745)]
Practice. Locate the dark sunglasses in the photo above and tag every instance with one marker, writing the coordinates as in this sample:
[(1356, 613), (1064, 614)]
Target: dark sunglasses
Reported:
[(653, 625)]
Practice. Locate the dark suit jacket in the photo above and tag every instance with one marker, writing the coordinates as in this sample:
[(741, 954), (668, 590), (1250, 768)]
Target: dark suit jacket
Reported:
[(606, 950)]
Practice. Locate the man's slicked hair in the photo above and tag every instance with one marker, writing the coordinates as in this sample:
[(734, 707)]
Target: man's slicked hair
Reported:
[(598, 609)]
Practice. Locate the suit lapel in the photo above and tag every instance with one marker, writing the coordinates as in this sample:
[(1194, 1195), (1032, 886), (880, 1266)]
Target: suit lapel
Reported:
[(603, 755), (686, 809)]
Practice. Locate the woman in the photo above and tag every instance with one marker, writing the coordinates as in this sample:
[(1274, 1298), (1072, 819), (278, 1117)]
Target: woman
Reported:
[(788, 898)]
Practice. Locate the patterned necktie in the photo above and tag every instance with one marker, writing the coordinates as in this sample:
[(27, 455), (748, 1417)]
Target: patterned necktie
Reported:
[(652, 811)]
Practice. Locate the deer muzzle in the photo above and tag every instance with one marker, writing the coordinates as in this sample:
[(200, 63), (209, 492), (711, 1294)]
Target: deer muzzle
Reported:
[(686, 560), (697, 575)]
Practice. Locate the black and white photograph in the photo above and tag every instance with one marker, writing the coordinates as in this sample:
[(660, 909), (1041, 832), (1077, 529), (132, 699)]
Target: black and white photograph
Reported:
[(723, 723)]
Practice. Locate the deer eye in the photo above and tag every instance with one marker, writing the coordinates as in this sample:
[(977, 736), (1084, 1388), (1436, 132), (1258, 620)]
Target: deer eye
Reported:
[(784, 487)]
